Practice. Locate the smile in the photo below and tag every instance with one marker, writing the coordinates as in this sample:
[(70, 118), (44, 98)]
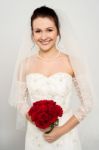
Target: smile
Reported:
[(45, 42)]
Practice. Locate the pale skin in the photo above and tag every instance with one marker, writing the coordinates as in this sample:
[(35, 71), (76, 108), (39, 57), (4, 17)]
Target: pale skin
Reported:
[(45, 35)]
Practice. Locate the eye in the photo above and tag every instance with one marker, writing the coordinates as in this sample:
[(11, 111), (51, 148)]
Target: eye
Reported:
[(49, 30), (37, 31)]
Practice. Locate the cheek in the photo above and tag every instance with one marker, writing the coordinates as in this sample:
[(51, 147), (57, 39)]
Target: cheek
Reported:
[(35, 37), (55, 36)]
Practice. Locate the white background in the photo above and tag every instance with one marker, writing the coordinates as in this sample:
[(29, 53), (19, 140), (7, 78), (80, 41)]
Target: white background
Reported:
[(84, 16)]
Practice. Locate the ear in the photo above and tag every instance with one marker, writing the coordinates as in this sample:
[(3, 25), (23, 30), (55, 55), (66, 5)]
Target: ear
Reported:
[(32, 38)]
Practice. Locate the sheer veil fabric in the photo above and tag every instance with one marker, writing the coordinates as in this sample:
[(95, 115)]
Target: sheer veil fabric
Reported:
[(68, 44)]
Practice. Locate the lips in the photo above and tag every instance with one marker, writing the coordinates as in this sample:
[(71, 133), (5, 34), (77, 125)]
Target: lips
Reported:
[(45, 42)]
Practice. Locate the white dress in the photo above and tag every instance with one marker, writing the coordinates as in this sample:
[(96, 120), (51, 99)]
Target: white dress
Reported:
[(58, 87)]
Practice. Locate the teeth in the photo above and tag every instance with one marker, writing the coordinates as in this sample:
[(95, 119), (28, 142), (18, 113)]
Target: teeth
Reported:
[(45, 42)]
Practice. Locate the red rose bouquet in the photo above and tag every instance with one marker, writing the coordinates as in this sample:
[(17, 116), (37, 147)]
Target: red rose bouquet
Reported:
[(45, 113)]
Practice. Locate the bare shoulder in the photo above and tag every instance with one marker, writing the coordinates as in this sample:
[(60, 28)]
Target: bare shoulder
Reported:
[(66, 60), (63, 55)]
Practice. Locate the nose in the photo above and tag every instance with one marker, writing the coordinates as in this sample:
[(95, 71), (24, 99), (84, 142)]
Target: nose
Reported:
[(43, 35)]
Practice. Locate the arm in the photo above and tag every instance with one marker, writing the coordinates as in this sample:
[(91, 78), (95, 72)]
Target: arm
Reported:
[(22, 103), (22, 90), (19, 95), (84, 93), (83, 88), (85, 96), (22, 96)]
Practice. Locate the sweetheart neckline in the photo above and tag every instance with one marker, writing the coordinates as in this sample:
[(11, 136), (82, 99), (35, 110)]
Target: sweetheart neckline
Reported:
[(48, 77)]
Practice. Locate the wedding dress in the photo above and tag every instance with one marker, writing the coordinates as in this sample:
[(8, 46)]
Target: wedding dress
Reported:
[(58, 87)]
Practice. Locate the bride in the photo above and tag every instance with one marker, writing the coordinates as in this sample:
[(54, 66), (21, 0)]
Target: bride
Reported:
[(49, 72)]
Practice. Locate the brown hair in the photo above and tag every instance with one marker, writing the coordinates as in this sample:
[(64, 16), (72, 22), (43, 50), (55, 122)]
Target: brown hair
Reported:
[(44, 11)]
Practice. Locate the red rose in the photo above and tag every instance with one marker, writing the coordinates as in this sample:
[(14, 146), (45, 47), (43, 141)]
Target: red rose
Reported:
[(44, 113)]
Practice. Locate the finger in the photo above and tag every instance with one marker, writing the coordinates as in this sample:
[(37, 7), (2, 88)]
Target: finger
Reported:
[(46, 135), (49, 140)]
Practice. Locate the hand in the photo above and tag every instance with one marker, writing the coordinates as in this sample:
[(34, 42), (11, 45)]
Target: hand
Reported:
[(54, 134)]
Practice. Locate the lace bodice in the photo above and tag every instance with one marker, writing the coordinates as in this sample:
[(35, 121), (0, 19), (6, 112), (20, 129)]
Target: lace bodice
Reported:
[(58, 87)]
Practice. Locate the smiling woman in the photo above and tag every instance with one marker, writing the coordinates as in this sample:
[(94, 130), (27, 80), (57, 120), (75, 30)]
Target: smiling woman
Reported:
[(49, 73)]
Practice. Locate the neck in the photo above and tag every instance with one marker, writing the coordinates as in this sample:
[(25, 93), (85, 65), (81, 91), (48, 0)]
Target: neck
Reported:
[(48, 53)]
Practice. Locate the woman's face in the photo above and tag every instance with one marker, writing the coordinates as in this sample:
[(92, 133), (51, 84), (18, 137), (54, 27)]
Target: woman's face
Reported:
[(44, 33)]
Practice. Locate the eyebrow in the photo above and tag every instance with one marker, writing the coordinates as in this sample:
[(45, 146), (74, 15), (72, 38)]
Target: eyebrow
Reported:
[(46, 28)]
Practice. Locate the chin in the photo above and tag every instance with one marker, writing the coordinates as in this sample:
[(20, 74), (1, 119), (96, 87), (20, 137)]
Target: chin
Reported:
[(45, 49)]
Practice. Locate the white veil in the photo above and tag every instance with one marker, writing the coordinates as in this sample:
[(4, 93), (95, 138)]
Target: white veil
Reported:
[(69, 45)]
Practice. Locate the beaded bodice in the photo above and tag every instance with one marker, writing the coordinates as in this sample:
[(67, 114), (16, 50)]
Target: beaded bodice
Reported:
[(57, 87)]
